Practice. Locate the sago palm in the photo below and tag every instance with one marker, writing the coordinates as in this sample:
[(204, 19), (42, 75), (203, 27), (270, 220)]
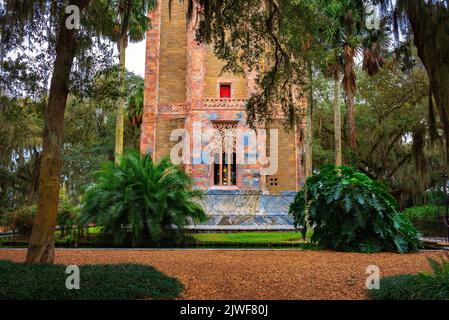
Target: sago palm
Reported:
[(146, 197)]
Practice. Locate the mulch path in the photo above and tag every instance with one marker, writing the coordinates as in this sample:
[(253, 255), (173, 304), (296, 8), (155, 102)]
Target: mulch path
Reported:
[(255, 274)]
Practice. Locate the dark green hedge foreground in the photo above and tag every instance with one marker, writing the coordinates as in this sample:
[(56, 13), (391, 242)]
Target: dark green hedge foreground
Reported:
[(432, 285), (20, 281)]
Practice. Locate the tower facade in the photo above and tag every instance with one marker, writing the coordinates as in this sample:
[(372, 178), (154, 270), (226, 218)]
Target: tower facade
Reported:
[(195, 114)]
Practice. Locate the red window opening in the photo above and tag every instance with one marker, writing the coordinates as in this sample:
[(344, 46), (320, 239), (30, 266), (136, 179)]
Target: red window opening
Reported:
[(225, 90)]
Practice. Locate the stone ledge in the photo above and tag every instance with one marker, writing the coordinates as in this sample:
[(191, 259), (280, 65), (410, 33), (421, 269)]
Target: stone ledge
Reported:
[(241, 228), (247, 222)]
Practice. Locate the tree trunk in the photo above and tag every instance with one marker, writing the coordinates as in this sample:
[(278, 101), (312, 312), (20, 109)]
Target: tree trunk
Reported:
[(119, 128), (41, 245), (430, 23), (309, 132), (337, 122), (349, 87), (34, 183), (351, 122)]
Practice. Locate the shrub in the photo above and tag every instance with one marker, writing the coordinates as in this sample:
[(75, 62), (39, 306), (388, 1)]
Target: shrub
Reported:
[(423, 212), (21, 281), (151, 198), (394, 288), (351, 212), (68, 214), (432, 285), (20, 220)]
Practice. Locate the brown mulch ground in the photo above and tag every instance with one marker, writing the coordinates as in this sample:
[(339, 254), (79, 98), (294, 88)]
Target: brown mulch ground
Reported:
[(255, 274)]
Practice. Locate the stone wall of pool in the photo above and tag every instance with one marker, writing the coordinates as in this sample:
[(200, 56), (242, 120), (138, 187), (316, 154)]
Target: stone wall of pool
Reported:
[(236, 210)]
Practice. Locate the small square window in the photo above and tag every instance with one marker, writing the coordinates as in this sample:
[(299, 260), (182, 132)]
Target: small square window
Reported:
[(225, 90)]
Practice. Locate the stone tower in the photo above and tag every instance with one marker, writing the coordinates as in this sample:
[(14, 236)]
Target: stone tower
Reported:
[(192, 106)]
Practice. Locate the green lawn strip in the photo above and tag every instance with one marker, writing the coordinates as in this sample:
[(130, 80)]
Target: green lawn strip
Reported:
[(21, 281), (289, 239), (261, 238), (92, 230)]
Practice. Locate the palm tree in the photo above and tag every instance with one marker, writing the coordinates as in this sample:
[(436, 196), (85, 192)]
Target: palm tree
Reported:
[(345, 37), (148, 197), (337, 120), (131, 24)]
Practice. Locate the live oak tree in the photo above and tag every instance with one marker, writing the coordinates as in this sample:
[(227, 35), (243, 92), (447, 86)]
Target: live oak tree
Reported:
[(428, 23), (41, 244), (21, 15)]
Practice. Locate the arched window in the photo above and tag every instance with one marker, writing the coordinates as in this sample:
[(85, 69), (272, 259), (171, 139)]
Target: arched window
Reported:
[(225, 159)]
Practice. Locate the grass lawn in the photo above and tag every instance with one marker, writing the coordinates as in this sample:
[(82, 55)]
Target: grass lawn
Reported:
[(225, 240), (250, 238), (19, 281)]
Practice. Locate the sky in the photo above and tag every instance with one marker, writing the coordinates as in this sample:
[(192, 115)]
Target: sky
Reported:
[(135, 58)]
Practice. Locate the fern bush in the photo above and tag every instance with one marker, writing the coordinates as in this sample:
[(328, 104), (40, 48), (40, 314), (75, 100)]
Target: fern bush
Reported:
[(433, 285), (141, 196), (351, 212)]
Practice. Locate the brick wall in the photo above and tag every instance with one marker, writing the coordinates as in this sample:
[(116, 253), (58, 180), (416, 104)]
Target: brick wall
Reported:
[(181, 71), (214, 77), (173, 64), (285, 177), (164, 128)]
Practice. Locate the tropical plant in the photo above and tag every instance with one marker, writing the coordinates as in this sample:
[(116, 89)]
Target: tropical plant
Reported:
[(151, 199), (432, 285), (351, 212)]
